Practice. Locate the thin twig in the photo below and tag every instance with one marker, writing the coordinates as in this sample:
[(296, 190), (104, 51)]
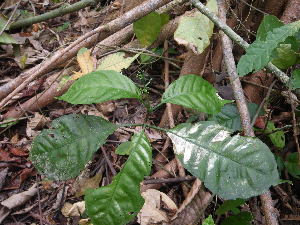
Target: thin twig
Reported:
[(112, 169), (295, 130), (262, 103), (169, 180)]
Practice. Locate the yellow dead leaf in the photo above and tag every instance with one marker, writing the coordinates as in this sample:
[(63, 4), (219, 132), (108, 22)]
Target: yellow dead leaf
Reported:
[(85, 62), (116, 62)]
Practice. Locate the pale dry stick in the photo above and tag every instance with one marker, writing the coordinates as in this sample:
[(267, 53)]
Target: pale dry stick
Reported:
[(170, 115), (236, 38), (266, 199), (86, 40)]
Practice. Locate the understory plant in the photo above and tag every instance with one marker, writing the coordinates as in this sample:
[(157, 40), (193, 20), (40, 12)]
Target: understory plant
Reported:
[(230, 165)]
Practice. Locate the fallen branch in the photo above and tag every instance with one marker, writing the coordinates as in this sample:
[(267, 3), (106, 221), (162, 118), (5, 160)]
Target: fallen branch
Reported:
[(237, 39), (266, 200), (117, 39), (63, 10), (85, 40)]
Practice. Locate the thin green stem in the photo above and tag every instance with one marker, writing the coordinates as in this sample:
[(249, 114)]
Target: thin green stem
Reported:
[(143, 125), (65, 9), (156, 107)]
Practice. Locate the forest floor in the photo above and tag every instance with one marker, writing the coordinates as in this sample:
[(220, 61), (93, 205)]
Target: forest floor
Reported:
[(25, 65)]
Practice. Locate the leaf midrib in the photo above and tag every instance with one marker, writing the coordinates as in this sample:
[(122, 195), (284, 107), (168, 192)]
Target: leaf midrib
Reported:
[(217, 153)]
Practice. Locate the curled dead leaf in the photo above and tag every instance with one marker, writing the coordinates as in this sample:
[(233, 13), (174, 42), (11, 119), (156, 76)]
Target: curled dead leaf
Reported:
[(152, 211)]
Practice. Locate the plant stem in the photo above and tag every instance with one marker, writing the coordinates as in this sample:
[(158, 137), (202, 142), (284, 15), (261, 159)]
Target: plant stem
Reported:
[(237, 39), (63, 10), (157, 106), (143, 125)]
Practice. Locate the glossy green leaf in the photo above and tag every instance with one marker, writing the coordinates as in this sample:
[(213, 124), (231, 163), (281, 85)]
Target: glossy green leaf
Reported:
[(230, 205), (268, 23), (101, 86), (285, 57), (60, 153), (230, 117), (277, 138), (208, 221), (244, 218), (119, 202), (194, 92), (148, 28), (292, 165), (231, 167), (164, 18), (195, 29), (295, 79), (125, 148), (259, 53)]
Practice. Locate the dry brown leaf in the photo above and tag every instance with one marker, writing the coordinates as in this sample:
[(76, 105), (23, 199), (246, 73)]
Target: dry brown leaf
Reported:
[(87, 183), (72, 210), (36, 123), (193, 206), (15, 201), (86, 64), (152, 213)]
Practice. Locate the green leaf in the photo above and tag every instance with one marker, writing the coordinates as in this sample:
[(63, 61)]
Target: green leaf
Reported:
[(277, 138), (292, 165), (231, 167), (268, 23), (295, 79), (164, 18), (244, 218), (195, 29), (9, 122), (7, 39), (62, 152), (3, 21), (119, 202), (230, 205), (148, 28), (285, 56), (125, 148), (230, 117), (101, 86), (259, 53), (208, 221), (280, 163), (194, 92), (116, 62)]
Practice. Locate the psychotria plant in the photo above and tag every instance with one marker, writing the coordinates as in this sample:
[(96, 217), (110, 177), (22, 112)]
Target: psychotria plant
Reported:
[(230, 166)]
